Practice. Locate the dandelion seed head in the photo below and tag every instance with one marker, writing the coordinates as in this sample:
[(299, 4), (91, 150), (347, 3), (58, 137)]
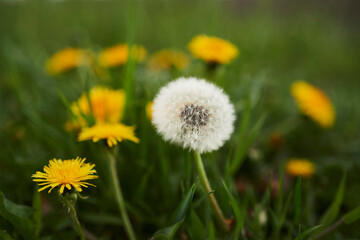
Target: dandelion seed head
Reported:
[(193, 113), (194, 116)]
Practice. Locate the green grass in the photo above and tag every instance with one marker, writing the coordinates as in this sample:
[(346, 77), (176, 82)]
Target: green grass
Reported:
[(278, 43)]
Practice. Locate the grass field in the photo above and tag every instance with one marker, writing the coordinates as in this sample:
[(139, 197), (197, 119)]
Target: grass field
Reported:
[(279, 43)]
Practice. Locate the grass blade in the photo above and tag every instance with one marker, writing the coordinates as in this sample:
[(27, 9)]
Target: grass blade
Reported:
[(179, 216), (352, 216), (308, 232), (239, 216), (195, 228), (297, 200), (245, 144), (211, 234), (5, 236), (333, 211)]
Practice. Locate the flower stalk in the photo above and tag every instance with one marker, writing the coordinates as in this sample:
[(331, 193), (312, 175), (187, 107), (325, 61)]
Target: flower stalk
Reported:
[(206, 185), (119, 197), (69, 200)]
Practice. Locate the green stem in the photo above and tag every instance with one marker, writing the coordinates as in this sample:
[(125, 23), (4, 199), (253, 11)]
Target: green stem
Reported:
[(206, 185), (70, 203), (119, 197), (330, 229)]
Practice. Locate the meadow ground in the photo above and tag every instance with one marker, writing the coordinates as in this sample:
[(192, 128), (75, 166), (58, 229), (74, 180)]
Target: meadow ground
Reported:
[(260, 195)]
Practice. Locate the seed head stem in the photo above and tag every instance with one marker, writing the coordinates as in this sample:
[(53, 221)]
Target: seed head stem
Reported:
[(206, 185)]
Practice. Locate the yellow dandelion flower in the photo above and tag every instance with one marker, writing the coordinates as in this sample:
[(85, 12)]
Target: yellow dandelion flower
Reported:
[(314, 103), (213, 49), (119, 55), (103, 104), (167, 59), (296, 167), (113, 133), (67, 59), (70, 126), (65, 173), (149, 110)]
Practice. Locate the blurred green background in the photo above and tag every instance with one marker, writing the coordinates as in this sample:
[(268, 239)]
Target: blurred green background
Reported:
[(279, 42)]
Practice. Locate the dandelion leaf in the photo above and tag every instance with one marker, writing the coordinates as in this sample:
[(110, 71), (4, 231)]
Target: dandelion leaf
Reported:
[(21, 217)]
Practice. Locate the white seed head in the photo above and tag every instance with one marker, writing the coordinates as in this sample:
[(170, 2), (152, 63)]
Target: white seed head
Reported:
[(193, 113)]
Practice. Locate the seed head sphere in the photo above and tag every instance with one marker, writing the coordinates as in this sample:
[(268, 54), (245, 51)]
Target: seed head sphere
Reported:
[(193, 113)]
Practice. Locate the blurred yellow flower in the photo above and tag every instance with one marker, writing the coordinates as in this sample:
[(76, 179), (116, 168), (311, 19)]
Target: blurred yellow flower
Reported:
[(213, 49), (167, 59), (65, 173), (119, 55), (149, 110), (102, 104), (296, 167), (70, 126), (67, 59), (314, 103), (113, 133)]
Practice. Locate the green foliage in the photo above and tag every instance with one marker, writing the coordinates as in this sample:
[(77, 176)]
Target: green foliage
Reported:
[(5, 236), (297, 200), (239, 213), (179, 216), (20, 217), (352, 216), (308, 232), (169, 232), (195, 227), (278, 45), (333, 211), (37, 215)]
